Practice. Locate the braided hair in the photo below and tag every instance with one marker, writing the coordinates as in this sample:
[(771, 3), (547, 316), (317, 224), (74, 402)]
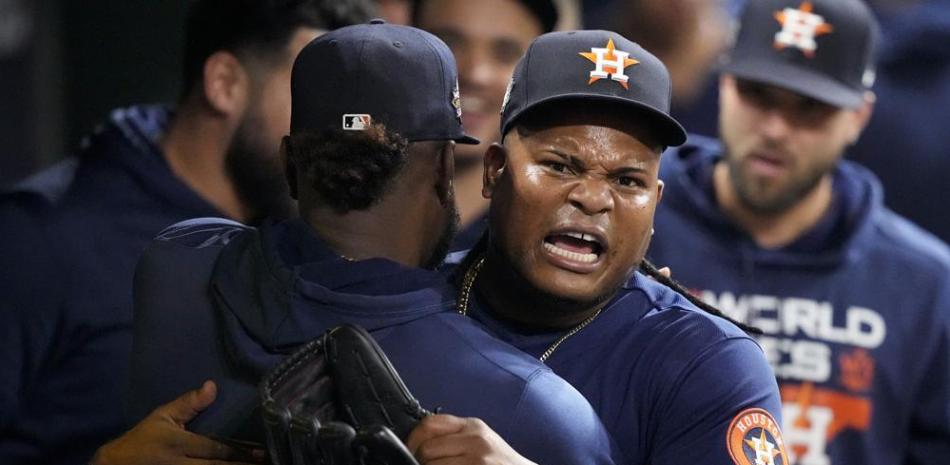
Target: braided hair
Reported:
[(646, 267), (649, 269)]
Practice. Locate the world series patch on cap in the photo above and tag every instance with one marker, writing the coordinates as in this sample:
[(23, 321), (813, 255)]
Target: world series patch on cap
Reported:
[(818, 48), (592, 66)]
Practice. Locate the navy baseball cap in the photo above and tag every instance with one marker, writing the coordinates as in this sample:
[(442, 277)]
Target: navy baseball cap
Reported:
[(400, 76), (592, 66), (821, 49)]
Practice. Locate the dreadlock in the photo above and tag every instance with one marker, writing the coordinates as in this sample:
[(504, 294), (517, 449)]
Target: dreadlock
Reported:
[(646, 267), (649, 269)]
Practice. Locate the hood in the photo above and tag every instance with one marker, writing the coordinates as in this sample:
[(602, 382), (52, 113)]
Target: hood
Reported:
[(137, 129), (130, 138), (126, 149), (280, 286), (687, 172)]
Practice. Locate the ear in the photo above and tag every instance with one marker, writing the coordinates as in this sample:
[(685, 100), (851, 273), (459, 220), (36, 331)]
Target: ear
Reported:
[(290, 168), (659, 190), (496, 159), (862, 115), (445, 184), (226, 83)]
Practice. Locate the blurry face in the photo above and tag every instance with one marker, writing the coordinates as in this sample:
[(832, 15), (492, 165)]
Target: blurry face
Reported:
[(252, 159), (780, 144), (487, 37), (572, 206)]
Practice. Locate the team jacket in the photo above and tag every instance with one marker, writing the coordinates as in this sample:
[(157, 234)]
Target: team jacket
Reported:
[(69, 240), (856, 313), (905, 143), (671, 383), (217, 300)]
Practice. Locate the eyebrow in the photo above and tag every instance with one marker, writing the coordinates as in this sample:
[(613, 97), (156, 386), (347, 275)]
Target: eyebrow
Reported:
[(571, 159), (568, 158)]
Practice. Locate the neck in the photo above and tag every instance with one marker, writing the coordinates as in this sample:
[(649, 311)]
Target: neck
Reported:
[(378, 232), (468, 193), (775, 230), (195, 147), (510, 297)]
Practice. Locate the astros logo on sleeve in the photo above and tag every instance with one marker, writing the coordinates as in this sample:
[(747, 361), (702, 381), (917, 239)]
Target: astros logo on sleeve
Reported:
[(755, 438)]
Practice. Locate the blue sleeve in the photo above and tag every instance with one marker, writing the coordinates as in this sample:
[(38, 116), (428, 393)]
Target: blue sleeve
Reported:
[(30, 293), (930, 422), (725, 402), (565, 429)]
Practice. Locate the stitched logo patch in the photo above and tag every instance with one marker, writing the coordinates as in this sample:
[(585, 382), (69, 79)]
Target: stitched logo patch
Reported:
[(609, 63), (799, 29), (755, 438)]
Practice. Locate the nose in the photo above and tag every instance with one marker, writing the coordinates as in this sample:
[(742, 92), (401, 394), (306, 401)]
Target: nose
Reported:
[(592, 195), (476, 68), (774, 124)]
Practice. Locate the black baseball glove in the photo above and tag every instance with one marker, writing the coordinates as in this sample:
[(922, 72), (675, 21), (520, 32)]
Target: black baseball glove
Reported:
[(338, 401)]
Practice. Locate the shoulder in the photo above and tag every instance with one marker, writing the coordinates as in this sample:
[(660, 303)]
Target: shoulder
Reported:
[(202, 232), (499, 356), (666, 312), (907, 243), (192, 245), (46, 187)]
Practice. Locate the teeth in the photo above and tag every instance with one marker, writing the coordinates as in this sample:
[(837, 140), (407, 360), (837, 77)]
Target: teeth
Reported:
[(581, 236), (577, 257)]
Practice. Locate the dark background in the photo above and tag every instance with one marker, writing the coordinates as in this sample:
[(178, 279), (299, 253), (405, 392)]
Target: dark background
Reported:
[(65, 64)]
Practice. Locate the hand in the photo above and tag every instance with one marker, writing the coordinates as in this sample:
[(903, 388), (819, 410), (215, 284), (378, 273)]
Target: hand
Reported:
[(451, 440), (665, 271), (161, 438)]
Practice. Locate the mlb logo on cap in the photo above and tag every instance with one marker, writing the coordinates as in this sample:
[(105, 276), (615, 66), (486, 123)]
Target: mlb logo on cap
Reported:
[(398, 76), (357, 122)]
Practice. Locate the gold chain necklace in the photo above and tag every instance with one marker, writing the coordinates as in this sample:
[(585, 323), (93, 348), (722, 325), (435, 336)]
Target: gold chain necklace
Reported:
[(466, 292)]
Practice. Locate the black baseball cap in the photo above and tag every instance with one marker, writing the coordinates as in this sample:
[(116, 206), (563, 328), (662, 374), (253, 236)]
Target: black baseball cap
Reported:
[(400, 76), (592, 66), (822, 49)]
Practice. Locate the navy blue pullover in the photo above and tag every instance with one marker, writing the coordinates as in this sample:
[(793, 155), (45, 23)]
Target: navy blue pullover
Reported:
[(246, 298), (856, 312), (69, 240)]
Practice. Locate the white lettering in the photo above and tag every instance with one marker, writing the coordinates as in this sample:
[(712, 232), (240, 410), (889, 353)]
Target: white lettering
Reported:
[(808, 431), (795, 316), (801, 360)]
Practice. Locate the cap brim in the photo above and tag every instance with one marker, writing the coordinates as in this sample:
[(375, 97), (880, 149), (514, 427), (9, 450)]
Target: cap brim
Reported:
[(797, 79), (467, 140), (671, 132)]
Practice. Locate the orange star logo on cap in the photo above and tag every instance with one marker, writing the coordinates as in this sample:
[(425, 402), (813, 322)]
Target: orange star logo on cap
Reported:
[(609, 63), (799, 28)]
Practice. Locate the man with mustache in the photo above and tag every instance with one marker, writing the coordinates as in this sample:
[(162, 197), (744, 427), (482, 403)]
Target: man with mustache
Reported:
[(377, 214), (573, 189), (776, 229)]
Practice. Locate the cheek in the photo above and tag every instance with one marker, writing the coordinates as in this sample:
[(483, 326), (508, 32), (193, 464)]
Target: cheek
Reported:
[(275, 108), (633, 225)]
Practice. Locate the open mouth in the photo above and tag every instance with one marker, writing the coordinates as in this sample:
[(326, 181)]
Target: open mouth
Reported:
[(575, 250)]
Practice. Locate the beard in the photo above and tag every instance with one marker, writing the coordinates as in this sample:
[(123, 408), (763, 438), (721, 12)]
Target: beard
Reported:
[(446, 238), (257, 175), (761, 198)]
